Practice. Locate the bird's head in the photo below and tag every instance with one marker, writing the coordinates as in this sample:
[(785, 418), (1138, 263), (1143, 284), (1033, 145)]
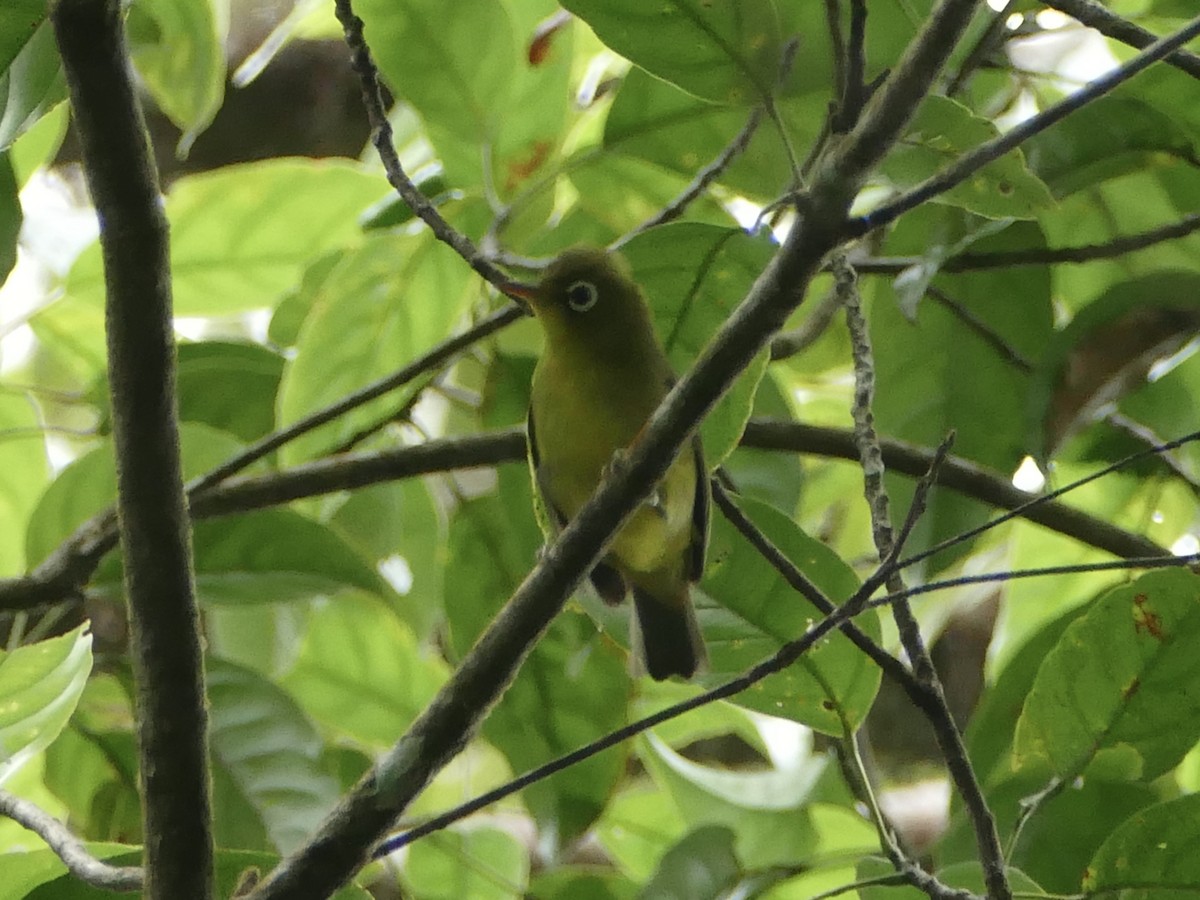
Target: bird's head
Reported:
[(588, 295)]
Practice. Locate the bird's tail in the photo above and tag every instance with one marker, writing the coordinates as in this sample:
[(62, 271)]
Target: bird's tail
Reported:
[(666, 636)]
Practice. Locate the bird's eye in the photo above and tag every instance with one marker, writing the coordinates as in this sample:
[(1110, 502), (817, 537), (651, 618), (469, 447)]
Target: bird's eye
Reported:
[(582, 295)]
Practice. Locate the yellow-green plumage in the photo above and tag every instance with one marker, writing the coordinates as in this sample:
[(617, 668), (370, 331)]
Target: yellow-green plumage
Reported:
[(601, 374)]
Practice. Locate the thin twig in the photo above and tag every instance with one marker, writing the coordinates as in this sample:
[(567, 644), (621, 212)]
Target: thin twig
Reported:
[(381, 137), (1109, 24), (991, 38), (439, 355), (68, 848), (1039, 256), (993, 338), (975, 159), (458, 813), (948, 735), (1144, 435), (893, 105), (969, 479), (854, 93), (1027, 508), (837, 46), (704, 178), (799, 339), (1167, 561), (166, 655)]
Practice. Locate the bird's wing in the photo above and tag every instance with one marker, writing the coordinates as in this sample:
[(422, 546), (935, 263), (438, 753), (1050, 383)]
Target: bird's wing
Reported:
[(699, 545), (539, 484), (609, 583)]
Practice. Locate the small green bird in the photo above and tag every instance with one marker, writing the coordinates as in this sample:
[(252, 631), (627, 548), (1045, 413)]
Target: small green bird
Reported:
[(601, 374)]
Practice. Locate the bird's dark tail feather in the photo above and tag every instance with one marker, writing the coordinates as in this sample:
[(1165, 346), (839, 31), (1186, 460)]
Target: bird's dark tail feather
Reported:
[(667, 637)]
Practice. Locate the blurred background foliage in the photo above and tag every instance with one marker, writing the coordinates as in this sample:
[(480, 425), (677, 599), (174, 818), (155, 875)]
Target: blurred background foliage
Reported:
[(331, 622)]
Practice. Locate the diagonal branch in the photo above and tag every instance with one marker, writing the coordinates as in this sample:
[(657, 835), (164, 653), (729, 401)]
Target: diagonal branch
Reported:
[(68, 848), (949, 737), (974, 160), (1039, 256), (155, 531), (381, 137), (1109, 24)]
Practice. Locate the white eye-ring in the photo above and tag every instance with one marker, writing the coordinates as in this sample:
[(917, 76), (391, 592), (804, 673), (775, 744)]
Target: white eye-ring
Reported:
[(582, 295)]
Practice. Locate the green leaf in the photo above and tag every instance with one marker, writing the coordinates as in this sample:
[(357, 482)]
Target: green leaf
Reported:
[(39, 144), (694, 276), (242, 235), (470, 47), (940, 372), (1151, 854), (30, 85), (379, 308), (764, 810), (40, 685), (19, 22), (402, 528), (638, 827), (275, 556), (583, 882), (724, 52), (482, 863), (828, 688), (486, 94), (990, 731), (1056, 844), (24, 471), (270, 751), (1108, 350), (941, 132), (89, 485), (1126, 672), (360, 672), (10, 217), (92, 766), (178, 49), (702, 865), (1108, 137), (657, 122), (229, 386)]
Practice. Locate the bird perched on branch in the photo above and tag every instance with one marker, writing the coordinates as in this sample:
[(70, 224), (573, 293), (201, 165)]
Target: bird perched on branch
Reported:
[(601, 374)]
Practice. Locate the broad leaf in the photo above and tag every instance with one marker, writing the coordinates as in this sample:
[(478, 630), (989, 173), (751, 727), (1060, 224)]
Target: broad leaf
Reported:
[(39, 687), (1127, 670)]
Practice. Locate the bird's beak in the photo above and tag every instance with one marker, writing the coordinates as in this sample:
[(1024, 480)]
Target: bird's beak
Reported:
[(521, 292)]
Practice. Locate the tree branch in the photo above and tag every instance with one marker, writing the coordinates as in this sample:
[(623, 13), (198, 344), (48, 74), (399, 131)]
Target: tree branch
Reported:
[(439, 355), (974, 160), (71, 565), (945, 729), (1038, 256), (155, 531), (381, 137), (961, 475), (703, 179), (69, 848), (1109, 24)]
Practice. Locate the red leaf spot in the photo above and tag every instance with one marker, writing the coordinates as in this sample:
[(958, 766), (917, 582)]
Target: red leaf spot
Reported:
[(520, 169), (1145, 619), (543, 36)]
